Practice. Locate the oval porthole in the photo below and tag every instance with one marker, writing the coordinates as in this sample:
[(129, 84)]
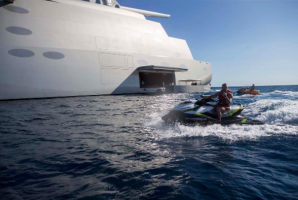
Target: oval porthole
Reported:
[(16, 9), (53, 55), (18, 30), (22, 53)]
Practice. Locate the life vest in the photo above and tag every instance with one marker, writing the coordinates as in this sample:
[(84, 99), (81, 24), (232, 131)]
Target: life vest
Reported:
[(222, 100)]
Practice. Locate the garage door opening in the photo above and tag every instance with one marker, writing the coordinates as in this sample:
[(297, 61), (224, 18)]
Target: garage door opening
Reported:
[(156, 79)]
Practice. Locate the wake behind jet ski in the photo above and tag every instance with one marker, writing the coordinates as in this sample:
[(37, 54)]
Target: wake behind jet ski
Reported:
[(203, 112)]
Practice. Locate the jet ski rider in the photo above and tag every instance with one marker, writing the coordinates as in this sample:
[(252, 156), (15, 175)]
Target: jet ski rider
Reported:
[(225, 97)]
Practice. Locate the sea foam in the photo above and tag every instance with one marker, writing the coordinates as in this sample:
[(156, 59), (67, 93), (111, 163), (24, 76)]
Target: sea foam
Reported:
[(273, 111), (230, 133)]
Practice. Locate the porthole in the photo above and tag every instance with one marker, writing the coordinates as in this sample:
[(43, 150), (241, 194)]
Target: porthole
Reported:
[(53, 55), (22, 53), (16, 9), (18, 30)]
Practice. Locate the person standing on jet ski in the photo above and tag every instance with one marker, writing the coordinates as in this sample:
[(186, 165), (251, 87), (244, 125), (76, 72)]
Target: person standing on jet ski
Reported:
[(225, 97), (252, 88)]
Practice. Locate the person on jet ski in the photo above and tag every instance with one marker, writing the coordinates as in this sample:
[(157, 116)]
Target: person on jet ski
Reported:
[(252, 88), (225, 97)]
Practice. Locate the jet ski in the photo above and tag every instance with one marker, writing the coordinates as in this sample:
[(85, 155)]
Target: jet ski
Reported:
[(246, 91), (203, 112)]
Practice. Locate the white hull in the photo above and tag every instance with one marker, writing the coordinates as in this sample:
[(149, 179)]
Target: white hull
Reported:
[(50, 49)]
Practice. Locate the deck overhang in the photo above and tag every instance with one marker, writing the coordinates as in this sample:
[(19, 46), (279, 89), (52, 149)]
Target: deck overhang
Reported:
[(162, 68), (190, 80)]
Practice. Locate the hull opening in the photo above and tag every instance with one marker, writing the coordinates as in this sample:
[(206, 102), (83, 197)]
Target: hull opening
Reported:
[(155, 80)]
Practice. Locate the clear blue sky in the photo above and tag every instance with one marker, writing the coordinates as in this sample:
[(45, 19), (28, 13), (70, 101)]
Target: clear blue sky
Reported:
[(246, 41)]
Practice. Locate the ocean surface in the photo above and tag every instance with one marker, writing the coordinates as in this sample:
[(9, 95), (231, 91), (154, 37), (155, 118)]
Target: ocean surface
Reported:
[(117, 147)]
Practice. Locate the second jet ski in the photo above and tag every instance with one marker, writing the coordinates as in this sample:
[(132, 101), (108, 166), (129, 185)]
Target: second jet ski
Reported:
[(203, 112)]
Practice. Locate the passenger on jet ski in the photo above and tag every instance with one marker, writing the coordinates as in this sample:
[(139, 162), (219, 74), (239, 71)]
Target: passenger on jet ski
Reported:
[(225, 97), (252, 88)]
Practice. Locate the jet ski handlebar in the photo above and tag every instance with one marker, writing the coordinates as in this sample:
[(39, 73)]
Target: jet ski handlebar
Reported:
[(203, 101)]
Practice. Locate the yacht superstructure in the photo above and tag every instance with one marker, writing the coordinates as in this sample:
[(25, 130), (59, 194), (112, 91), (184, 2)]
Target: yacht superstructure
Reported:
[(64, 48)]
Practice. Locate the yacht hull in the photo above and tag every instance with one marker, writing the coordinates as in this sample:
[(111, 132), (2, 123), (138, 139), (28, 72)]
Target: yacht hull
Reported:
[(50, 49)]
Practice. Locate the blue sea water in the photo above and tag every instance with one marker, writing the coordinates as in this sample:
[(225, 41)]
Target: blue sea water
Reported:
[(117, 147)]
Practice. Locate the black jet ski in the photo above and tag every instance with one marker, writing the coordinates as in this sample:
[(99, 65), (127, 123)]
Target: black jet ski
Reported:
[(203, 112)]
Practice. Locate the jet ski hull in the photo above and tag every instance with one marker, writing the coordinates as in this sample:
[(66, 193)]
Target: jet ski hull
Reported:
[(254, 92), (196, 120)]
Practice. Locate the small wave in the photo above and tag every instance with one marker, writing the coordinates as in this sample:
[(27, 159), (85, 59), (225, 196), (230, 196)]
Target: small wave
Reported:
[(79, 115), (35, 119), (291, 93), (279, 94), (274, 111), (230, 133), (63, 106), (93, 101)]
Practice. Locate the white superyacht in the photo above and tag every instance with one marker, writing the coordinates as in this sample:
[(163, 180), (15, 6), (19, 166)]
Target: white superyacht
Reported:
[(63, 48)]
